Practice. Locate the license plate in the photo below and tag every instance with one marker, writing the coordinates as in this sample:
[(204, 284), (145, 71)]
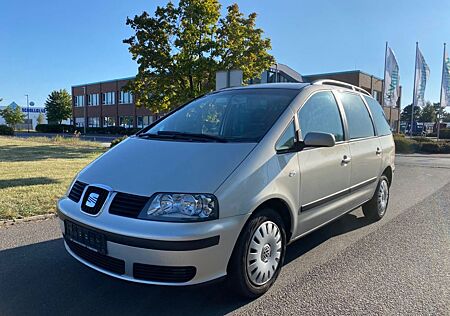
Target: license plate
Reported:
[(85, 237)]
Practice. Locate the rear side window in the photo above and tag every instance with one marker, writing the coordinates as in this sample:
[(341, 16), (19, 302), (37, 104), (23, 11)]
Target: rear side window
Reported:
[(321, 114), (358, 118), (381, 123)]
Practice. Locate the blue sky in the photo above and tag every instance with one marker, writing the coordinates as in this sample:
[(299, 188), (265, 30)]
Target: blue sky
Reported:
[(54, 44)]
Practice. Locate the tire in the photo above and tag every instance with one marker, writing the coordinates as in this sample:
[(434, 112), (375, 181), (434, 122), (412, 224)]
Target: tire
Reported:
[(375, 209), (253, 266)]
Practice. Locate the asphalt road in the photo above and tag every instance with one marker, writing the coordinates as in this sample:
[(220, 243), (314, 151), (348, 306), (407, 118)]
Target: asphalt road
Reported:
[(400, 265)]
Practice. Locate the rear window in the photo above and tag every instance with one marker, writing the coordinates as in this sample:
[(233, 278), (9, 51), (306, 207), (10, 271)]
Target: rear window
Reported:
[(381, 123)]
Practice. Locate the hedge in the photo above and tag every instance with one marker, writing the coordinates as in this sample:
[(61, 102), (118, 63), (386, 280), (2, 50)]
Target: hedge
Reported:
[(63, 128), (6, 130), (55, 128), (435, 148)]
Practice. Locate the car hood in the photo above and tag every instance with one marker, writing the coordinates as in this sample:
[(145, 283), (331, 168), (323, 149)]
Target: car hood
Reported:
[(146, 166)]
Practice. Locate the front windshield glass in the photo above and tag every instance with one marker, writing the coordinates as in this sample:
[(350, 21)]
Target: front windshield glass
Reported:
[(234, 116)]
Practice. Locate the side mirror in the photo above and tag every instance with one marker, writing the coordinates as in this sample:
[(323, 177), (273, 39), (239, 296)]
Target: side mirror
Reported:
[(316, 139)]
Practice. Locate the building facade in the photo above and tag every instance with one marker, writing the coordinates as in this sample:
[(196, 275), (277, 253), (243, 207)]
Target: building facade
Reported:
[(105, 103), (31, 115), (370, 83)]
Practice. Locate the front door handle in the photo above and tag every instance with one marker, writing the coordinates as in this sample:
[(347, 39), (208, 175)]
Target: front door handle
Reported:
[(346, 159), (379, 151)]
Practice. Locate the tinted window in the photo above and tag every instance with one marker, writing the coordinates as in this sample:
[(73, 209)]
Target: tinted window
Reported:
[(358, 118), (321, 114), (287, 140), (379, 118), (236, 115)]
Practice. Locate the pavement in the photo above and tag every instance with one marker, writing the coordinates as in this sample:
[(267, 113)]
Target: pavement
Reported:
[(397, 266)]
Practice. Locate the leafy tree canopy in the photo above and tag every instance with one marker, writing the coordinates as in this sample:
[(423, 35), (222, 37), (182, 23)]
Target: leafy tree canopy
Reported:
[(428, 113), (12, 115), (180, 49), (406, 113), (58, 106)]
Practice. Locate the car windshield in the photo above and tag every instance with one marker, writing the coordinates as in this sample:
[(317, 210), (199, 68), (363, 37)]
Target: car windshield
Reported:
[(243, 115)]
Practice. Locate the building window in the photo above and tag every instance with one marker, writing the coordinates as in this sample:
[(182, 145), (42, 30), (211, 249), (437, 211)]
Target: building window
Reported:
[(79, 100), (140, 121), (125, 97), (93, 99), (148, 120), (126, 121), (93, 122), (109, 98), (79, 121), (109, 121)]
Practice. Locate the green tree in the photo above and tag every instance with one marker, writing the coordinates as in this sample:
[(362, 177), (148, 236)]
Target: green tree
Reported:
[(12, 115), (180, 49), (406, 113), (428, 113), (40, 118), (58, 106), (446, 117)]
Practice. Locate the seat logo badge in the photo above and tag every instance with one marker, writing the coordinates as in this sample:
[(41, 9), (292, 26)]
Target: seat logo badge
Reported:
[(92, 199)]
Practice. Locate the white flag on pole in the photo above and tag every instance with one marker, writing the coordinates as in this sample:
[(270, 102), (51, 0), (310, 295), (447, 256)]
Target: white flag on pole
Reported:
[(392, 79), (420, 81), (445, 87)]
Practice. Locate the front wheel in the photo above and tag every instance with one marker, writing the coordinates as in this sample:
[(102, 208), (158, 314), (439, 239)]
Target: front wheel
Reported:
[(376, 207), (258, 255)]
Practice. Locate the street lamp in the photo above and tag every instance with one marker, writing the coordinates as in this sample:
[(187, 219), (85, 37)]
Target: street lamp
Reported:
[(28, 114), (84, 110)]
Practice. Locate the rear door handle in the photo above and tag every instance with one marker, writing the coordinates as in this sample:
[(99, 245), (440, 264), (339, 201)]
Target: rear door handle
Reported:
[(346, 159), (379, 151)]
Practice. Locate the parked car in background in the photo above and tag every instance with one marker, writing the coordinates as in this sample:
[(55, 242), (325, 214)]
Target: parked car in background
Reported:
[(220, 186)]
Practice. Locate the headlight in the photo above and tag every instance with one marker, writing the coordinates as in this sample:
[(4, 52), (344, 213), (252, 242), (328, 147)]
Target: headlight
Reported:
[(180, 207)]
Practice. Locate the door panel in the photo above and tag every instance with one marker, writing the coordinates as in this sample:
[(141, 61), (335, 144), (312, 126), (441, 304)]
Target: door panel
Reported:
[(366, 164), (324, 177), (324, 181)]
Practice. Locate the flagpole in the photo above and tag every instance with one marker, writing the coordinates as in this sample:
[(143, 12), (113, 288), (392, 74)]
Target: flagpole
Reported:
[(384, 85), (440, 98), (414, 93)]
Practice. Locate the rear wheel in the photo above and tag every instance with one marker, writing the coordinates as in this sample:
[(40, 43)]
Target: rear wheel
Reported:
[(258, 255), (377, 206)]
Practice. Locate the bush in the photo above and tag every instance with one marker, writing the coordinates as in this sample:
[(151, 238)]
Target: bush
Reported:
[(112, 130), (6, 130), (421, 139), (404, 145), (435, 148), (55, 128), (444, 133), (117, 141)]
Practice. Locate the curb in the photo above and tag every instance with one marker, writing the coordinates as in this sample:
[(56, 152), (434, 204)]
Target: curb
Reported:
[(10, 222)]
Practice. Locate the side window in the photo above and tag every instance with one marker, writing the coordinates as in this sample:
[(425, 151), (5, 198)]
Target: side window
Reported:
[(321, 114), (358, 118), (286, 140), (379, 118)]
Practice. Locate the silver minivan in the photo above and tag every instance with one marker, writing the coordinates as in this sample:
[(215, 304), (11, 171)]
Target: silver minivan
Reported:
[(219, 187)]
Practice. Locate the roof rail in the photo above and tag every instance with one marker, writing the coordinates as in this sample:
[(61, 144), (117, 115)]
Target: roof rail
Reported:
[(340, 83)]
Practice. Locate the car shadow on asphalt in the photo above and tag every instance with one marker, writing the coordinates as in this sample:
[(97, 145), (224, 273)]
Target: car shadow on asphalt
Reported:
[(43, 279)]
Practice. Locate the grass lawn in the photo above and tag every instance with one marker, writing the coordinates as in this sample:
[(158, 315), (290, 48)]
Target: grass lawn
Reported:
[(35, 172)]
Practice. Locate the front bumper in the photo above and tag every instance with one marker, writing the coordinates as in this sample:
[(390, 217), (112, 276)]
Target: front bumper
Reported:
[(155, 252)]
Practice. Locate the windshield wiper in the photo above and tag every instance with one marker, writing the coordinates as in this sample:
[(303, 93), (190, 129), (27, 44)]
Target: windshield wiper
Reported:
[(191, 136)]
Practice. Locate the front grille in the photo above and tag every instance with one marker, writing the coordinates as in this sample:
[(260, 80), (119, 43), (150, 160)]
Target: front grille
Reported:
[(127, 205), (163, 273), (108, 263), (76, 191), (93, 200)]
